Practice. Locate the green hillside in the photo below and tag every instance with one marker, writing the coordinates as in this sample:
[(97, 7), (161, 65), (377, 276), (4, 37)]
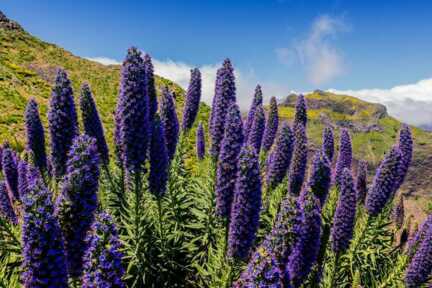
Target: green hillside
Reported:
[(27, 68)]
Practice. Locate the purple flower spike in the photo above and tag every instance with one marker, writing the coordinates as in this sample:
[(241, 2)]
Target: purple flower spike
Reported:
[(383, 186), (420, 268), (419, 235), (298, 167), (10, 171), (151, 87), (305, 251), (301, 112), (227, 165), (344, 159), (169, 121), (405, 144), (225, 95), (132, 114), (256, 132), (35, 134), (398, 213), (271, 126), (280, 157), (257, 101), (320, 176), (63, 124), (77, 203), (102, 260), (92, 123), (361, 181), (246, 206), (193, 97), (159, 160), (22, 178), (6, 209), (44, 261), (344, 218), (200, 141), (328, 143)]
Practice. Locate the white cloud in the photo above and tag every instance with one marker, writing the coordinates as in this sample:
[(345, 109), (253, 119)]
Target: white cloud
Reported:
[(179, 72), (411, 103), (104, 60), (317, 53)]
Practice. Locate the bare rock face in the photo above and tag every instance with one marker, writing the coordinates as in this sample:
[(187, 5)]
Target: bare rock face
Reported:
[(8, 24)]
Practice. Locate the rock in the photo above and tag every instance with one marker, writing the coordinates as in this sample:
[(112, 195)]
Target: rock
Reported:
[(6, 23)]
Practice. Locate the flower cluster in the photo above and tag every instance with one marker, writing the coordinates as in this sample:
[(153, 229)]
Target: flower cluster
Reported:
[(62, 119), (255, 135), (328, 143), (298, 167), (227, 165), (169, 120), (405, 145), (35, 134), (398, 213), (193, 97), (10, 171), (301, 112), (320, 177), (200, 142), (77, 203), (344, 159), (150, 85), (271, 127), (92, 123), (6, 209), (159, 160), (361, 181), (420, 267), (102, 260), (246, 205), (257, 101), (279, 159)]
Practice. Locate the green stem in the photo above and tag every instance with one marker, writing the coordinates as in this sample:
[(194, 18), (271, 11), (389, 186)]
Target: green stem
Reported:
[(161, 230), (334, 274), (227, 223)]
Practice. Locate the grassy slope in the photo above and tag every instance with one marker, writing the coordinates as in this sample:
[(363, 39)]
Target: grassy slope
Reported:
[(27, 68), (371, 146)]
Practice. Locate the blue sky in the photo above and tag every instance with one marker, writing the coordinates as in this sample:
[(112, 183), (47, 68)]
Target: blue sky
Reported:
[(285, 45)]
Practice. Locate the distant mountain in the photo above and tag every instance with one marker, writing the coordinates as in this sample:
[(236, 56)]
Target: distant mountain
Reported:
[(427, 127), (373, 132)]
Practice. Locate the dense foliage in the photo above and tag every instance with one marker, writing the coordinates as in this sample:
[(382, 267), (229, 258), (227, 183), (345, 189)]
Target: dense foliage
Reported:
[(162, 212)]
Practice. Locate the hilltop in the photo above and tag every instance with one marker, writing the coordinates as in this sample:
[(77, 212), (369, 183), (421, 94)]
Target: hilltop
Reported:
[(28, 65)]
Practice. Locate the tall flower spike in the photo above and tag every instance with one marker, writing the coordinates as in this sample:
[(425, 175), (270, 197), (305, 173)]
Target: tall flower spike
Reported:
[(200, 141), (35, 134), (246, 206), (77, 203), (361, 181), (92, 123), (256, 132), (298, 167), (405, 144), (320, 176), (159, 160), (420, 268), (6, 209), (169, 121), (151, 87), (10, 171), (383, 186), (102, 260), (398, 215), (271, 126), (305, 251), (419, 235), (344, 159), (328, 143), (301, 112), (343, 221), (132, 114), (257, 100), (62, 122), (280, 157), (22, 178), (227, 165), (44, 261), (225, 95), (272, 255), (193, 97)]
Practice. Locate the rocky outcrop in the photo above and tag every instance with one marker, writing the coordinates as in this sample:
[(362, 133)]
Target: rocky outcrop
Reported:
[(8, 24)]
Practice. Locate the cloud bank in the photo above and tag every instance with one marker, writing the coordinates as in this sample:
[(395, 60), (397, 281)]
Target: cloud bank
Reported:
[(411, 103), (316, 52)]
